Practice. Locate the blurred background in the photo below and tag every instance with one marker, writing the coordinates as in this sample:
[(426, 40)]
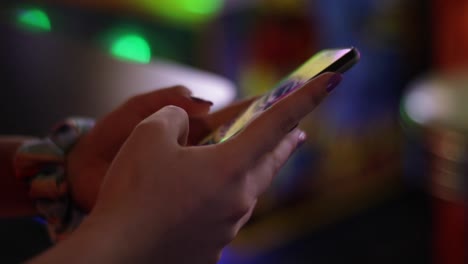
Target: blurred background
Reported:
[(381, 176)]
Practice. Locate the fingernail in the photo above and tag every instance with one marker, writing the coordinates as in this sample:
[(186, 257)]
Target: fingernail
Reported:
[(301, 139), (201, 101), (334, 81)]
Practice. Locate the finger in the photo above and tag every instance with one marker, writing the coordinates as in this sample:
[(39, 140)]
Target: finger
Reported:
[(225, 115), (270, 164), (171, 121), (200, 127), (113, 129), (145, 104), (246, 217), (266, 130)]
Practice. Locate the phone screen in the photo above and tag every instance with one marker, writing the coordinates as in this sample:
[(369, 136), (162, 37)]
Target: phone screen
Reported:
[(330, 60)]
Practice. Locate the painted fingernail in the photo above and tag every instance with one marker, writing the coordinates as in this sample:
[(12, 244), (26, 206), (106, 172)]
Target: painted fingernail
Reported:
[(201, 101), (334, 81)]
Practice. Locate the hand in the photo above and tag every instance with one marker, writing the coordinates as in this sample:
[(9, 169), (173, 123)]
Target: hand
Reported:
[(163, 201), (202, 125), (90, 158)]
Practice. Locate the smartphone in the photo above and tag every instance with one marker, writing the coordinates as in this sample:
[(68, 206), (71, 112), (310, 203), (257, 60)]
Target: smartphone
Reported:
[(329, 60)]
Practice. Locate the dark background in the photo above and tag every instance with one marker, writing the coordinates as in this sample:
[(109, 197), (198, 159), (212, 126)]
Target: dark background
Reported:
[(364, 173)]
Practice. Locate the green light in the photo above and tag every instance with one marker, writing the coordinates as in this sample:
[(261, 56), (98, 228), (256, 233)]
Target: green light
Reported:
[(206, 7), (131, 47), (34, 19), (190, 12)]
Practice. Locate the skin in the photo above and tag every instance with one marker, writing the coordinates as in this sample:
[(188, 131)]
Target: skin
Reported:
[(164, 201), (14, 194), (91, 157)]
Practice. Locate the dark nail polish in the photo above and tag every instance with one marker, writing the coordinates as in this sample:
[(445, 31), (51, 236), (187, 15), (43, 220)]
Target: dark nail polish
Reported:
[(201, 101), (334, 81)]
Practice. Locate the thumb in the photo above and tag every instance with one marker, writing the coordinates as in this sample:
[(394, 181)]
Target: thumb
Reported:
[(172, 122)]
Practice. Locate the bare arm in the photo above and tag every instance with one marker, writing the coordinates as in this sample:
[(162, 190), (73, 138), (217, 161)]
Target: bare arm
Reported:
[(14, 198)]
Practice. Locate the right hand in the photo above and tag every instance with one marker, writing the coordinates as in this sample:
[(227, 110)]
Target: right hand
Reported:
[(167, 202)]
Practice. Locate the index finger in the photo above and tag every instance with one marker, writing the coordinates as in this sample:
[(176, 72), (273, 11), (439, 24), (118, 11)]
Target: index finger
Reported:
[(266, 131), (224, 115)]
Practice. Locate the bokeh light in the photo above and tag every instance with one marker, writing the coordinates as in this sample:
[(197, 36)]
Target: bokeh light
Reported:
[(131, 47), (189, 12), (34, 19)]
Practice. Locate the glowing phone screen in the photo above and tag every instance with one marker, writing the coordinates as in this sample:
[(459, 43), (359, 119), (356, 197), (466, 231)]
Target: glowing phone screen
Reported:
[(311, 68)]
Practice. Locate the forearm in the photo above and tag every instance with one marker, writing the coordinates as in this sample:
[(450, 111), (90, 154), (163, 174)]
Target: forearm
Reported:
[(14, 198), (100, 240), (86, 245)]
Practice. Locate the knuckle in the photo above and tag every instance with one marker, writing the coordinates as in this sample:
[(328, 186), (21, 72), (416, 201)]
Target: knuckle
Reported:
[(176, 112), (153, 124)]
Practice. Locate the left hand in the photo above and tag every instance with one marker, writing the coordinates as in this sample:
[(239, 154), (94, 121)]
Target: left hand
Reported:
[(91, 156)]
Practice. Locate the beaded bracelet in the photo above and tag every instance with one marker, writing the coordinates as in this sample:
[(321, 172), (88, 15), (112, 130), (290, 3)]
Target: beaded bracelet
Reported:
[(42, 164)]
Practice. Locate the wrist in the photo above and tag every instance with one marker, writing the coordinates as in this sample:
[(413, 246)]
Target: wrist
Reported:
[(117, 238), (94, 241), (41, 164)]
